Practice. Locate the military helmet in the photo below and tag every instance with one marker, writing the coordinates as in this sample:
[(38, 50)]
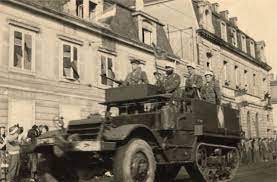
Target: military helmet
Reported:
[(209, 73), (192, 65)]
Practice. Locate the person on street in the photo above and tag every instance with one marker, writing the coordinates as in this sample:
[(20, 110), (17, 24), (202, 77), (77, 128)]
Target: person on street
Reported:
[(13, 149), (33, 133)]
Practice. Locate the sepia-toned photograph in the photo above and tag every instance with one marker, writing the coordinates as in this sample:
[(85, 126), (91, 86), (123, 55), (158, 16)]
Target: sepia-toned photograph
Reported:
[(138, 91)]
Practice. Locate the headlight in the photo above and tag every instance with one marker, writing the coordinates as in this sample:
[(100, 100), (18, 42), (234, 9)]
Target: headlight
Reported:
[(45, 141)]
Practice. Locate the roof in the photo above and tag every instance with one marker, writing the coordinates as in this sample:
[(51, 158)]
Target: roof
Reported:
[(122, 24)]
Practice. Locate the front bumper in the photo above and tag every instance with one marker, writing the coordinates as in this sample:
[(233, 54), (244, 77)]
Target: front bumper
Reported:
[(77, 146)]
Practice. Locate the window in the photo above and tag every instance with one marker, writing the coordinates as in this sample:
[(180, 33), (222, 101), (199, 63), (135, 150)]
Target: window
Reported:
[(236, 75), (245, 78), (225, 70), (249, 133), (243, 43), (254, 80), (146, 36), (92, 10), (223, 31), (70, 61), (148, 32), (107, 70), (23, 48), (268, 118), (80, 8), (234, 37), (257, 125), (252, 49)]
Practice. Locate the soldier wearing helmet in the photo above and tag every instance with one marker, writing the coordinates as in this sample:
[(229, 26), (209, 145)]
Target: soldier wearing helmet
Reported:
[(137, 76), (211, 90)]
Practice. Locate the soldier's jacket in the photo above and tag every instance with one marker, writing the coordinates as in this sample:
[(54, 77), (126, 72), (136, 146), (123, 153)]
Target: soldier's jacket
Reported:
[(170, 83), (136, 77), (190, 92), (210, 92)]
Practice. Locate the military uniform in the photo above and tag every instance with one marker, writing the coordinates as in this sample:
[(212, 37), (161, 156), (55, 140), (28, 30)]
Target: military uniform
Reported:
[(190, 91), (210, 92), (137, 76), (171, 83)]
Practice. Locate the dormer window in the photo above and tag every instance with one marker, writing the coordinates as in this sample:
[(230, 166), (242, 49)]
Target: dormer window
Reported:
[(147, 32), (234, 37), (252, 49), (92, 10), (80, 8), (223, 31), (243, 43)]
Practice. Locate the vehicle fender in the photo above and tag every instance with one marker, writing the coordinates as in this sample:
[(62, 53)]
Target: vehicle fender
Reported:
[(123, 132)]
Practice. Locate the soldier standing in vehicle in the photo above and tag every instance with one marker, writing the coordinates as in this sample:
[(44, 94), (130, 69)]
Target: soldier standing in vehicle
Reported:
[(194, 83), (137, 76), (211, 90), (170, 82)]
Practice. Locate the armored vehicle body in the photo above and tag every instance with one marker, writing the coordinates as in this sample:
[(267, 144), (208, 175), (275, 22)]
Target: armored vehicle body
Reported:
[(145, 137)]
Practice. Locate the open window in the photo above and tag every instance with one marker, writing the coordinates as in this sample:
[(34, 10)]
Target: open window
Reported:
[(70, 58), (107, 70), (147, 32), (92, 10)]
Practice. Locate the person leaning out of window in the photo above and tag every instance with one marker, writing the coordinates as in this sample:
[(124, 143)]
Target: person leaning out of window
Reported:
[(210, 91)]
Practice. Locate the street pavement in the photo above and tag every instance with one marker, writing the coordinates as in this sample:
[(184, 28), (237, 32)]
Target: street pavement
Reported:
[(258, 172)]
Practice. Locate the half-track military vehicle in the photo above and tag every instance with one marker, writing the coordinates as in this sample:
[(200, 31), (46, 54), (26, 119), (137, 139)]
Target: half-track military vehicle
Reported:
[(143, 137)]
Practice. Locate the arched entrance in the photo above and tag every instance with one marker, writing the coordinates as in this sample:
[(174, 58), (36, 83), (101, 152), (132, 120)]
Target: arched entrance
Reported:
[(248, 125)]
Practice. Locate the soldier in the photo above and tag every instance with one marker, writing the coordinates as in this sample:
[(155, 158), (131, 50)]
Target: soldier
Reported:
[(170, 82), (211, 90), (137, 76), (194, 83)]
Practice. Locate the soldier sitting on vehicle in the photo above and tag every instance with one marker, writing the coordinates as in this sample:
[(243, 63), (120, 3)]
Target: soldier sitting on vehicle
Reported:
[(211, 90), (137, 76)]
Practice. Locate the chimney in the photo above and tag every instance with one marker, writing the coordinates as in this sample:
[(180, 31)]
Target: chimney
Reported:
[(234, 21), (139, 5), (225, 14), (215, 7)]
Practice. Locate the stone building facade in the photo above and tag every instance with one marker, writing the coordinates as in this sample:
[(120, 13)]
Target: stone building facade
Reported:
[(273, 86), (53, 53), (237, 60)]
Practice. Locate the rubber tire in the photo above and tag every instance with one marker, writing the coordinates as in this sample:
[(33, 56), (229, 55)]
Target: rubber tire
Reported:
[(123, 156), (167, 173)]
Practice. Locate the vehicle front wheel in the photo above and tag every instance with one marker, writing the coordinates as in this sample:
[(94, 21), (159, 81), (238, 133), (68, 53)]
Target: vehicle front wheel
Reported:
[(134, 162)]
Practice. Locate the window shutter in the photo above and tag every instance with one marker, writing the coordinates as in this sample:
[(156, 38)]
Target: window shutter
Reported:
[(103, 70), (66, 60)]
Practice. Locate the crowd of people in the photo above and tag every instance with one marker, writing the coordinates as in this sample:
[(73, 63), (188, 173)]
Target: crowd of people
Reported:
[(254, 150), (11, 158)]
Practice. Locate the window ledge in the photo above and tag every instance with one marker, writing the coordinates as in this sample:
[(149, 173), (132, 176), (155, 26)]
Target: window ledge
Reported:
[(70, 80), (21, 71)]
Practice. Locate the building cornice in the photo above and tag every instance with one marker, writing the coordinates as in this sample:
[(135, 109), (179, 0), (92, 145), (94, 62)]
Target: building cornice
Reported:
[(215, 39)]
